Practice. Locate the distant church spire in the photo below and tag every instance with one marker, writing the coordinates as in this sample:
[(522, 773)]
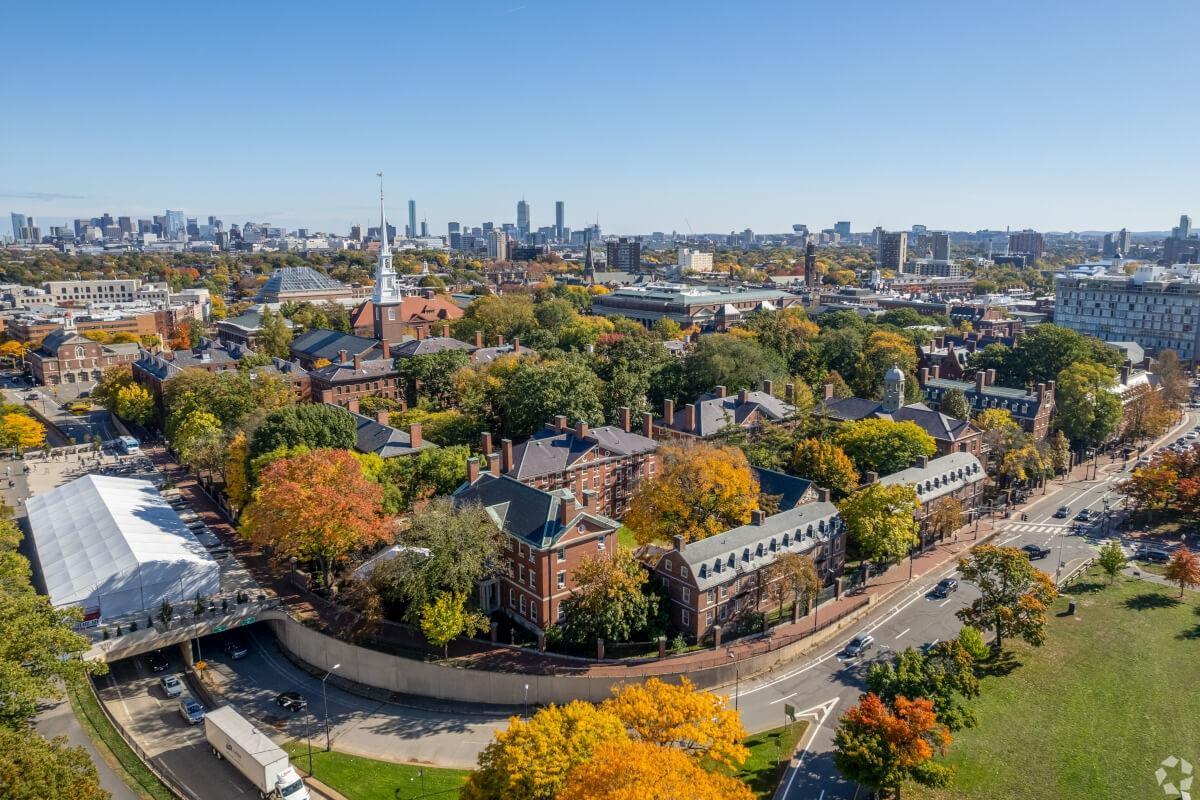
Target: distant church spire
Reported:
[(589, 266), (386, 290)]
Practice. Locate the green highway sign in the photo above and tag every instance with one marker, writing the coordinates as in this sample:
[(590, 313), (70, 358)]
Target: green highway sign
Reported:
[(247, 620), (220, 628)]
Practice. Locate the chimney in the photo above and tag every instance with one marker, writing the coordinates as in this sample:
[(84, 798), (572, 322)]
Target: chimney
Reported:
[(757, 516), (516, 344), (478, 339), (472, 470), (352, 405), (1148, 364), (494, 464), (560, 423), (446, 331), (689, 417), (1041, 392), (581, 429), (721, 392), (935, 371), (828, 392), (1050, 388), (566, 508), (922, 461), (506, 457), (789, 392), (870, 478), (343, 356), (940, 343), (499, 341), (924, 375), (822, 495), (648, 425), (769, 387), (743, 395), (623, 415), (669, 412), (678, 543), (972, 345), (1126, 371), (485, 443), (357, 362), (382, 416), (980, 380), (420, 332), (991, 377), (414, 435)]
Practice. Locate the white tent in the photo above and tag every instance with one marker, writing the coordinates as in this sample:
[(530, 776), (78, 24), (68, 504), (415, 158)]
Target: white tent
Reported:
[(113, 546)]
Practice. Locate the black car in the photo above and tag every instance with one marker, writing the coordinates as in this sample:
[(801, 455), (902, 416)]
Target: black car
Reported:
[(236, 649), (1084, 516), (944, 588), (1034, 552), (156, 661), (1063, 512), (292, 701)]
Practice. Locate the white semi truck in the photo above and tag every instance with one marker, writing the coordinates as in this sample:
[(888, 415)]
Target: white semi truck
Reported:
[(253, 754)]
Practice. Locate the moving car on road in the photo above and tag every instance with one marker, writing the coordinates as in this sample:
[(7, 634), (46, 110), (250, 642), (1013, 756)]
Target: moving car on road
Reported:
[(1063, 512), (171, 685), (191, 711), (1035, 552), (1152, 555), (944, 588), (1084, 516), (859, 645), (236, 649), (292, 701), (156, 661)]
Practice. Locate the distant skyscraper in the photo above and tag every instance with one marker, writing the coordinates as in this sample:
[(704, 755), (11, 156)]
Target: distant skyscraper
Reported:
[(1185, 226), (941, 246), (893, 250), (523, 220), (174, 225), (424, 228), (560, 215), (842, 228), (412, 217), (497, 246), (1123, 242), (126, 225), (1028, 242), (810, 265), (19, 223), (624, 254), (453, 227)]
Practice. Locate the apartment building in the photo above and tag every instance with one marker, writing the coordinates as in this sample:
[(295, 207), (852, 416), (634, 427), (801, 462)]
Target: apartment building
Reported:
[(959, 476), (1031, 408), (712, 412)]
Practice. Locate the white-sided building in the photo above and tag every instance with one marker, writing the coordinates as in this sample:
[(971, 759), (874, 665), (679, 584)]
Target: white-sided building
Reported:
[(114, 546)]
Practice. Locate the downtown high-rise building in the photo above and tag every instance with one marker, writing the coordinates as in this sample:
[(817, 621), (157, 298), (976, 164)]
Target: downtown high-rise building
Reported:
[(560, 215), (941, 246), (174, 225), (893, 250), (1027, 242), (497, 245), (19, 225), (412, 218), (842, 228), (523, 220)]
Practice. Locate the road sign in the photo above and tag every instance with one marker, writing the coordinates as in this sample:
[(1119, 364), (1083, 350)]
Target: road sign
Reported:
[(220, 628), (247, 621), (789, 711)]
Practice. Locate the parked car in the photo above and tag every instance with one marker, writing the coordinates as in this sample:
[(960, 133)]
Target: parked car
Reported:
[(1034, 552), (191, 711), (1063, 512), (1153, 555), (292, 701), (156, 661), (1084, 516), (859, 645), (236, 649), (171, 685), (944, 587)]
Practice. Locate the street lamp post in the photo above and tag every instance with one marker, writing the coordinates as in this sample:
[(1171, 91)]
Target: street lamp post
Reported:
[(325, 702), (737, 679), (308, 738), (526, 701)]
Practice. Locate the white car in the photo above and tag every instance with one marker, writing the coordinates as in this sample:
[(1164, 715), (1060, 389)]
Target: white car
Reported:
[(859, 645), (171, 685)]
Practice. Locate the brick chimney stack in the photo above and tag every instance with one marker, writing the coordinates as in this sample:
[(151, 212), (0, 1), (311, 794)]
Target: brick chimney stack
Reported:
[(581, 429), (623, 415), (648, 425), (721, 391), (769, 387), (980, 380), (485, 443), (414, 435), (678, 540), (352, 405), (506, 455), (689, 417), (472, 470), (828, 392), (822, 495), (669, 412), (789, 392), (560, 423), (382, 416), (566, 508), (343, 356), (446, 331), (494, 464), (478, 339), (357, 362), (743, 395)]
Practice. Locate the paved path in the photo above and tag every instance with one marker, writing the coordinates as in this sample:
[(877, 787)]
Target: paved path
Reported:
[(59, 720)]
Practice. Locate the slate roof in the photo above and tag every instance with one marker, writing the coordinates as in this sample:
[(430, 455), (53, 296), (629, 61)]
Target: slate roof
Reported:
[(250, 320), (209, 352), (486, 355), (523, 511), (788, 488), (550, 450), (345, 372), (428, 346), (936, 424), (372, 436), (713, 413), (751, 547), (322, 343), (58, 338), (940, 476), (1019, 402)]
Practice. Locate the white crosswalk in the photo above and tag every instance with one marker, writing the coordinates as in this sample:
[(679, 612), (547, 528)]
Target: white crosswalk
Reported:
[(1034, 527)]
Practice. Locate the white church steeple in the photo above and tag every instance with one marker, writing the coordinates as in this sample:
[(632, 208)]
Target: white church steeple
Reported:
[(386, 290)]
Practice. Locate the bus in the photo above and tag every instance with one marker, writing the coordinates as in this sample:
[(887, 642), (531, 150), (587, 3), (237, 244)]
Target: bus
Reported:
[(127, 445)]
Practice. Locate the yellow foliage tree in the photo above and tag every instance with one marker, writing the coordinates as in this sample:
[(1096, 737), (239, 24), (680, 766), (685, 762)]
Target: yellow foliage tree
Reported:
[(701, 489), (531, 758), (237, 481), (12, 351), (19, 430), (644, 771), (676, 715)]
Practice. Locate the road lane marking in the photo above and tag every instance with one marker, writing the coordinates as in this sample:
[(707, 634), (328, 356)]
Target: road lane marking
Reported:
[(825, 710), (901, 633), (780, 700), (943, 604)]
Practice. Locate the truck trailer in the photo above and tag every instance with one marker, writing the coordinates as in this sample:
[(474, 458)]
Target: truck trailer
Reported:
[(253, 754)]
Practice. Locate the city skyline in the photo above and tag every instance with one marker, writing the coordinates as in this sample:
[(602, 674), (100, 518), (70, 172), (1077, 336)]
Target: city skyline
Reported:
[(816, 114)]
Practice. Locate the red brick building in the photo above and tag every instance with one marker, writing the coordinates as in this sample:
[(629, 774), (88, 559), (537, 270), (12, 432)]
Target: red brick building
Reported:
[(415, 315), (549, 535), (349, 379), (712, 412), (65, 356)]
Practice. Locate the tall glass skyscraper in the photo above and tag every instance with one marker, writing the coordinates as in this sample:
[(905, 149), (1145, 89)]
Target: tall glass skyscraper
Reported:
[(174, 226), (19, 222)]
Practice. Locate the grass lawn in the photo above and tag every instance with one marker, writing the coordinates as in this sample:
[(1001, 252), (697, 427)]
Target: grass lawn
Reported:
[(625, 538), (770, 752), (113, 748), (367, 779), (1092, 712)]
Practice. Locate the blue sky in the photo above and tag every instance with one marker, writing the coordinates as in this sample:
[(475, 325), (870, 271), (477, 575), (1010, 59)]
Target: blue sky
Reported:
[(646, 115)]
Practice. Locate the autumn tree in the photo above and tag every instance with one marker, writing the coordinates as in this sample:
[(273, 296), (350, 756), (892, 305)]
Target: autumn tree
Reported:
[(1183, 569), (700, 490), (134, 404), (884, 446), (794, 576), (1176, 389), (945, 517), (532, 758), (34, 768), (1014, 594), (448, 617), (879, 519), (609, 600), (1112, 559), (494, 316), (825, 464), (200, 442), (317, 506), (955, 404), (1060, 453), (1152, 487), (21, 431), (884, 747), (1147, 417), (644, 771), (944, 675), (13, 351), (677, 715), (881, 351), (111, 382), (1087, 410), (237, 478)]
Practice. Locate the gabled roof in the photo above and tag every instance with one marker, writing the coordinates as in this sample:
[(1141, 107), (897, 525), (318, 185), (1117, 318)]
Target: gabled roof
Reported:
[(345, 371), (322, 343), (372, 436), (60, 338), (551, 450), (940, 476), (714, 412), (523, 511), (432, 344), (788, 488)]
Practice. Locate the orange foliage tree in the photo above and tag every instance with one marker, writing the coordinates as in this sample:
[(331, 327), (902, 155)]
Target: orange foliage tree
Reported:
[(316, 506), (645, 771), (1184, 569), (883, 748)]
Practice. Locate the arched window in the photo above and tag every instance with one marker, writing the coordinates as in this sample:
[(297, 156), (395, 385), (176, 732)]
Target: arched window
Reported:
[(80, 352)]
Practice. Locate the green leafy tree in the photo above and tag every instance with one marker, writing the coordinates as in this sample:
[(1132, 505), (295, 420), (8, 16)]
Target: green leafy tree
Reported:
[(625, 364), (493, 316), (793, 576), (274, 335), (954, 404), (1014, 594), (33, 768), (1112, 559), (536, 391), (430, 377), (111, 382), (200, 442), (135, 404), (825, 464), (315, 425), (945, 676), (735, 362), (972, 641), (1088, 410), (429, 473), (884, 446), (1043, 352), (448, 617), (881, 351), (609, 600), (879, 520)]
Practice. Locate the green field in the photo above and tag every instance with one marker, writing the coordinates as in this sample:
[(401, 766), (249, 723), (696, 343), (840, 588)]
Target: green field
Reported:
[(1093, 712), (625, 538), (770, 751), (367, 779)]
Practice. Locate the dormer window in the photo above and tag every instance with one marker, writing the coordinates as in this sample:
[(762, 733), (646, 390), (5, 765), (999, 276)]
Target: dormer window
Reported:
[(746, 554), (774, 546), (703, 570), (785, 540)]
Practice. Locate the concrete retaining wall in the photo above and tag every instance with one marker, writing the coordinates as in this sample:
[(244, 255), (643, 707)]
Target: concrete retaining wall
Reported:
[(408, 676)]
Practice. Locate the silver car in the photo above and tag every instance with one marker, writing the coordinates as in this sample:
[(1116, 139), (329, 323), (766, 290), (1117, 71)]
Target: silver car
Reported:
[(191, 711), (859, 645), (171, 685)]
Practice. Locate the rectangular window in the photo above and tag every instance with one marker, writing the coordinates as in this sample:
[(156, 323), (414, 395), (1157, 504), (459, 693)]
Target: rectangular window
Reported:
[(683, 572), (687, 595), (600, 543), (562, 580), (522, 605), (712, 596), (561, 614), (512, 598), (722, 613), (685, 617), (532, 612), (562, 554), (708, 619), (520, 573), (668, 566)]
